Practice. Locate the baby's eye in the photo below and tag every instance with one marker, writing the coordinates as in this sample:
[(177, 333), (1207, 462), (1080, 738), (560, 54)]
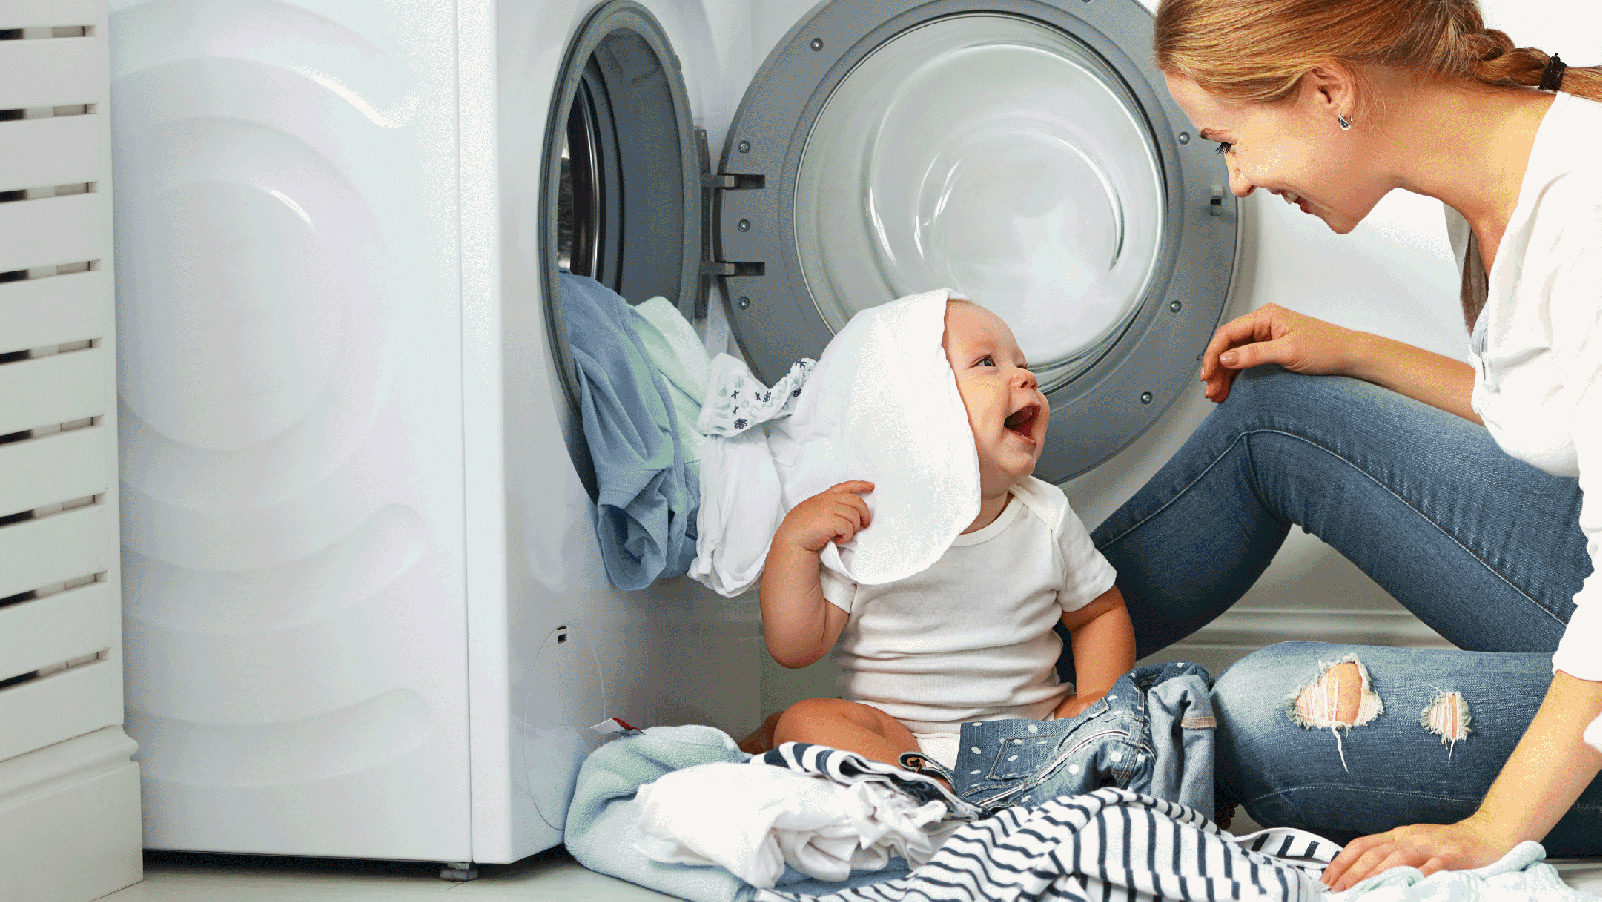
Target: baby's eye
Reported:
[(1225, 146), (987, 360)]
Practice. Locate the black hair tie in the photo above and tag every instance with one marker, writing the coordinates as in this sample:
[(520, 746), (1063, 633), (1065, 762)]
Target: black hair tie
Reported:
[(1552, 75)]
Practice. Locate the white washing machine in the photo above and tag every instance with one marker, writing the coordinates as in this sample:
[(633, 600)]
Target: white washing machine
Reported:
[(366, 614)]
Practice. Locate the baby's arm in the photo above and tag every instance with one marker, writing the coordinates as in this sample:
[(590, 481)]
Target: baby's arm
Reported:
[(1103, 642), (798, 623)]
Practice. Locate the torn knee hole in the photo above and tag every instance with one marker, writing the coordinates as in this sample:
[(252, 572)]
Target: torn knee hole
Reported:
[(1447, 717), (1340, 697)]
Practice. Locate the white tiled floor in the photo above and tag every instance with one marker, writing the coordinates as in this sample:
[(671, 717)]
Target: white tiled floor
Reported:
[(549, 877)]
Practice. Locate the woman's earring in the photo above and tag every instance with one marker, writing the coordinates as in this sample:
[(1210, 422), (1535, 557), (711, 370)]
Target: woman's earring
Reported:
[(1345, 123)]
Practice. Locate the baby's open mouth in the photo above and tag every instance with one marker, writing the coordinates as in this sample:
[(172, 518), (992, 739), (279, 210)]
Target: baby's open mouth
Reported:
[(1023, 421)]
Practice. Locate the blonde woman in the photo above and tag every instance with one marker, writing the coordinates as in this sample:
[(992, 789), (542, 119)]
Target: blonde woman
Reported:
[(1471, 491)]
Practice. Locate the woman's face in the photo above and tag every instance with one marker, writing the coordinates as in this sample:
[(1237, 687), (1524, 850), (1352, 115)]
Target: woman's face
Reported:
[(1295, 149)]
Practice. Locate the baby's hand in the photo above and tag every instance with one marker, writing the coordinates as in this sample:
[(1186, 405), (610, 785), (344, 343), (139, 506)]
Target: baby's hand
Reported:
[(834, 515)]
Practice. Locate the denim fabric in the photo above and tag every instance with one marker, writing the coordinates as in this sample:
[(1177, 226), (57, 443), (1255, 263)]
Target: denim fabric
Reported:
[(1151, 733), (1484, 548), (1395, 770)]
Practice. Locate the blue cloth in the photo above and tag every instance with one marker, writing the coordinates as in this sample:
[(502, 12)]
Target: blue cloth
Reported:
[(1482, 547), (1151, 733), (648, 494), (603, 819)]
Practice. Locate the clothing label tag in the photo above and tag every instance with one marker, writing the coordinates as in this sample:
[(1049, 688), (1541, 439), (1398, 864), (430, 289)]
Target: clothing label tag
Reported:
[(616, 726)]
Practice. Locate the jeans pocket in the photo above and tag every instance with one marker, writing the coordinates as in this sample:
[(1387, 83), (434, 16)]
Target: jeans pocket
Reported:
[(1023, 753)]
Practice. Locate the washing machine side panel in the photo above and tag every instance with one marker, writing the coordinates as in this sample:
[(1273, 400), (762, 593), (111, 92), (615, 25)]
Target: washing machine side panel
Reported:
[(292, 426), (509, 54), (554, 647)]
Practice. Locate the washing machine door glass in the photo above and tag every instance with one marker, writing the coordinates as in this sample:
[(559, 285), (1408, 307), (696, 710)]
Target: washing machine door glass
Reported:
[(995, 155), (1022, 152)]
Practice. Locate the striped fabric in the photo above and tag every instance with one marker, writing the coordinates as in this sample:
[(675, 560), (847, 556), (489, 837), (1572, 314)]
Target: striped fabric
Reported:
[(1110, 845), (847, 768)]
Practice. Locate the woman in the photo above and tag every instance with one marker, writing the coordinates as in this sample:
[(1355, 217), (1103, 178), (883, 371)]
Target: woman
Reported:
[(1458, 487)]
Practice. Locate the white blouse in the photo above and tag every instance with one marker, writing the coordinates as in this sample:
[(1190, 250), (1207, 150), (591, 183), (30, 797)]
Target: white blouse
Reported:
[(1536, 347)]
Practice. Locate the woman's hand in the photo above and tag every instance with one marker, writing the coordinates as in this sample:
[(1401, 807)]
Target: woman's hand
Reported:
[(1272, 334), (1428, 847), (835, 514)]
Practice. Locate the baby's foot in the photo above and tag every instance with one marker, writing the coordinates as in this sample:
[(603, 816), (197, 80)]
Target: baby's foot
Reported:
[(762, 739)]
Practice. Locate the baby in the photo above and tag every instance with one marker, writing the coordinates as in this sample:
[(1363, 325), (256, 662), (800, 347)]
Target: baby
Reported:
[(971, 637)]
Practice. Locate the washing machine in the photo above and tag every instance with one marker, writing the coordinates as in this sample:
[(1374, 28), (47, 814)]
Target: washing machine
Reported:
[(366, 614)]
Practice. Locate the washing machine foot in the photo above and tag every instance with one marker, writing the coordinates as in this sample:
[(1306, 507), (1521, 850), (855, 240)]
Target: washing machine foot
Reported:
[(458, 871)]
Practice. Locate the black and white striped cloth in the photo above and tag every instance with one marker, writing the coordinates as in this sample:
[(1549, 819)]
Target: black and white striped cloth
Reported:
[(1110, 845), (847, 768)]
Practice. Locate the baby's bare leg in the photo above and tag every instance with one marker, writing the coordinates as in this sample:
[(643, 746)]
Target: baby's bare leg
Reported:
[(851, 726)]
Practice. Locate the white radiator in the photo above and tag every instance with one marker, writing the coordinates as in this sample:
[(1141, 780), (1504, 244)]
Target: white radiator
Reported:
[(69, 791)]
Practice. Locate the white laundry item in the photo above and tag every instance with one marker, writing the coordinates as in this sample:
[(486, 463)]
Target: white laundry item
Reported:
[(752, 821), (736, 401), (740, 512), (881, 405), (673, 346), (1593, 734), (741, 503)]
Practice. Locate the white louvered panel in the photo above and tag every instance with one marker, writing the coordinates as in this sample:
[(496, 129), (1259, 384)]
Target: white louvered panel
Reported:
[(54, 468), (34, 13), (52, 72), (54, 549), (51, 229), (67, 704), (61, 150), (36, 313), (55, 389), (60, 627)]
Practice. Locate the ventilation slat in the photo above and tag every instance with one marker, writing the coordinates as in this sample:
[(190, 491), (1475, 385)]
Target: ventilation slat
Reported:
[(54, 469), (55, 549), (35, 313), (52, 72), (56, 389), (36, 13), (57, 628), (46, 711), (60, 150), (52, 230)]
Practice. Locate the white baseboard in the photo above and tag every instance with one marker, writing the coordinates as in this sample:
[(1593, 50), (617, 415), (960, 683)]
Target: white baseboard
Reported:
[(69, 820)]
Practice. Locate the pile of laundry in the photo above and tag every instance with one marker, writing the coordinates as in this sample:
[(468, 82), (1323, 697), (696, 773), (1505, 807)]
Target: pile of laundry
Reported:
[(682, 811)]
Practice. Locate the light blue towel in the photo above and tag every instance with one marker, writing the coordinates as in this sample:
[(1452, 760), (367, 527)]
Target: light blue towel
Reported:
[(603, 820), (1522, 875), (648, 493)]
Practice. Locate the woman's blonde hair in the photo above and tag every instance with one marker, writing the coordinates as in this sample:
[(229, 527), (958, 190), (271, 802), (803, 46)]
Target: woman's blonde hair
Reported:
[(1258, 50)]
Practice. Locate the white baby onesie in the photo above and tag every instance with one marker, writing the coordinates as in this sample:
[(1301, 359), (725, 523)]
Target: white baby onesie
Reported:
[(970, 638)]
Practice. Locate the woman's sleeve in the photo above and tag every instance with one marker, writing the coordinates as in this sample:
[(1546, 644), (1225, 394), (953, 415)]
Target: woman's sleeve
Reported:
[(1575, 308)]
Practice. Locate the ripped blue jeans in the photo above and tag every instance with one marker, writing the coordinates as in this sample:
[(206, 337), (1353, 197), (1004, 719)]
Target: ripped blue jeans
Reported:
[(1484, 548), (1151, 733)]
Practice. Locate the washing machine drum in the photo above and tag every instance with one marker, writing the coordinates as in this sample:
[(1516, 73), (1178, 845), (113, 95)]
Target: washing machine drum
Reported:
[(1022, 153)]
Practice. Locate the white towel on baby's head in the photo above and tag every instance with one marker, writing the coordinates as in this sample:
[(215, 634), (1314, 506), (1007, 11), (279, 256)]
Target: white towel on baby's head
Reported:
[(882, 405)]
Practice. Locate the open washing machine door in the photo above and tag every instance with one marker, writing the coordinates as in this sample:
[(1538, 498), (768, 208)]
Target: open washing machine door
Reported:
[(1022, 153)]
